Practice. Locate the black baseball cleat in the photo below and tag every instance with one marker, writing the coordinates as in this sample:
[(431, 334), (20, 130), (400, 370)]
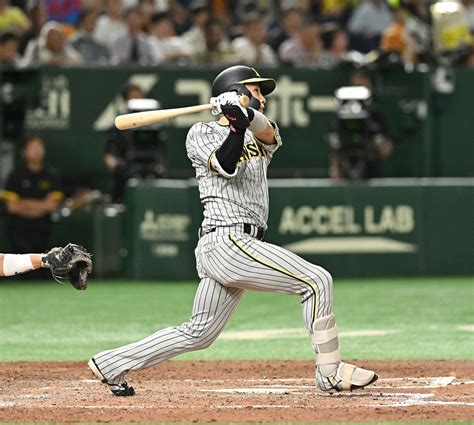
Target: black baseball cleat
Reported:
[(119, 390), (125, 390)]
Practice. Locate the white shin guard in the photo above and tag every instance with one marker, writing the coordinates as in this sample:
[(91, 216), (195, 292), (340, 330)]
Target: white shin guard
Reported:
[(325, 342)]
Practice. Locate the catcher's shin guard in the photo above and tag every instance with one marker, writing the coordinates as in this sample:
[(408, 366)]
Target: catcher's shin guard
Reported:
[(120, 389)]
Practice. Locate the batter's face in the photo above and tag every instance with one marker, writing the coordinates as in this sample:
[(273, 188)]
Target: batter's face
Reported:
[(255, 90)]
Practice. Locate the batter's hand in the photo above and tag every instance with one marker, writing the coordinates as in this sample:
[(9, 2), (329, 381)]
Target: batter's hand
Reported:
[(230, 98)]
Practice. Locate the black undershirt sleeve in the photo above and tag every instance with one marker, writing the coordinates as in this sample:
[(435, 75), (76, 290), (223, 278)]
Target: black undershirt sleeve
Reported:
[(230, 151)]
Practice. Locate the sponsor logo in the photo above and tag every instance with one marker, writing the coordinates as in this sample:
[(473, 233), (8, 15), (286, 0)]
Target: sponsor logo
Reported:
[(164, 227), (53, 108), (336, 229), (340, 220)]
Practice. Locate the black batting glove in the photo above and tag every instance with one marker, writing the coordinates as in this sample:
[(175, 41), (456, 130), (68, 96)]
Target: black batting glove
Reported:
[(237, 117)]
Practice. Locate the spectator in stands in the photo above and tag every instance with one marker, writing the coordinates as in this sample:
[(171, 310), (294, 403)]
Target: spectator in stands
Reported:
[(32, 192), (395, 38), (251, 47), (418, 29), (196, 35), (469, 6), (66, 12), (291, 22), (133, 47), (12, 19), (335, 44), (165, 46), (367, 24), (217, 50), (268, 10), (96, 6), (304, 48), (38, 16), (334, 11), (180, 17), (110, 27), (147, 10), (9, 45), (51, 48), (93, 53)]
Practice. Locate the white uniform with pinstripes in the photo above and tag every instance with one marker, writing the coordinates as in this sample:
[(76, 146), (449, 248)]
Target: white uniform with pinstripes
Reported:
[(228, 260)]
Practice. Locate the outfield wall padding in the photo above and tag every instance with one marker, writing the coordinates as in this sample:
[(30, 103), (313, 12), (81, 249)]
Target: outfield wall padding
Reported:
[(383, 228)]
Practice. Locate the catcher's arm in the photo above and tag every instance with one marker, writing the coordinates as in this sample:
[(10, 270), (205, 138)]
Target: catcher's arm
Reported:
[(13, 264), (71, 264)]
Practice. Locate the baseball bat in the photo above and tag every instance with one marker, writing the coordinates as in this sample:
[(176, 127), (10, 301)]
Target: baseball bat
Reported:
[(139, 119)]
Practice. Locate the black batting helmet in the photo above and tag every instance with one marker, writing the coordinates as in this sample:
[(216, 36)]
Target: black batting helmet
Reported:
[(243, 75)]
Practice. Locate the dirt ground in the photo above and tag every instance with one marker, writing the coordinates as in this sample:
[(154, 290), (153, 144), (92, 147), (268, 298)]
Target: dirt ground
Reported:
[(236, 391)]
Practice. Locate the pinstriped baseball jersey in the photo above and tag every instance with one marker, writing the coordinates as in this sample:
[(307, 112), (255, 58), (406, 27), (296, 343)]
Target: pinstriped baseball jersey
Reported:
[(241, 199)]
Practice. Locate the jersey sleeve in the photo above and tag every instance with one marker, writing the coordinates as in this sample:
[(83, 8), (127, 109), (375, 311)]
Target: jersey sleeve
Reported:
[(12, 188), (202, 141), (278, 141)]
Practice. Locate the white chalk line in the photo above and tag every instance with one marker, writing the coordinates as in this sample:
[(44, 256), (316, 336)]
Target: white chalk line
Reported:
[(467, 328), (421, 399), (463, 383), (285, 333), (414, 383), (6, 405), (315, 393), (431, 382), (256, 406)]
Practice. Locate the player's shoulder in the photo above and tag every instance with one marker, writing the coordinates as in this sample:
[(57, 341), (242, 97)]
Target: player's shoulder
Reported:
[(203, 129)]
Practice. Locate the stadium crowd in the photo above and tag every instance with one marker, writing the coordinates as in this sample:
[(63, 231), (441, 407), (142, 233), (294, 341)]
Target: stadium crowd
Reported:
[(309, 33)]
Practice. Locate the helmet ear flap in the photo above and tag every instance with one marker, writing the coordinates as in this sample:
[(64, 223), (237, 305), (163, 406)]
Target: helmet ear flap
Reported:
[(242, 90)]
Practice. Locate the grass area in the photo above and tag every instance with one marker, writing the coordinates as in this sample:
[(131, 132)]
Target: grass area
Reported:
[(44, 321)]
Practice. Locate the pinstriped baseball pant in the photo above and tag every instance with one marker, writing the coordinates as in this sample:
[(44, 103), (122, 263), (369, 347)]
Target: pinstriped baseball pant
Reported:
[(228, 262)]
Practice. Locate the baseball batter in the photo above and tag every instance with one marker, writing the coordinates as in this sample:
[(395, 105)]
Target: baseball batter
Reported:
[(231, 157)]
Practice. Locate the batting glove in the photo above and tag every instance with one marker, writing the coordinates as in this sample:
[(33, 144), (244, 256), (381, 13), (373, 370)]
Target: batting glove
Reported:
[(226, 99)]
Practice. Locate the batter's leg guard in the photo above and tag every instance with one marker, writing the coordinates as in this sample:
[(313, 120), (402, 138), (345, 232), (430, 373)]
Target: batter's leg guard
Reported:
[(332, 374), (119, 389)]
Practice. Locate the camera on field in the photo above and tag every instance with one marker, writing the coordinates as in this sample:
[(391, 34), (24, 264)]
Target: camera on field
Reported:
[(146, 157), (355, 135)]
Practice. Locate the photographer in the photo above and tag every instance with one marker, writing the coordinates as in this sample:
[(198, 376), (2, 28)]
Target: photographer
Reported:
[(136, 153), (360, 138)]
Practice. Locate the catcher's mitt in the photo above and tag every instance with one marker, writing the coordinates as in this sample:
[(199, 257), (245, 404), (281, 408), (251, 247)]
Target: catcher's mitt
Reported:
[(71, 263)]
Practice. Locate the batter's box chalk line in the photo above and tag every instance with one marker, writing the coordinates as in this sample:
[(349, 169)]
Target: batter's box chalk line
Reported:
[(422, 399), (292, 385), (400, 399)]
